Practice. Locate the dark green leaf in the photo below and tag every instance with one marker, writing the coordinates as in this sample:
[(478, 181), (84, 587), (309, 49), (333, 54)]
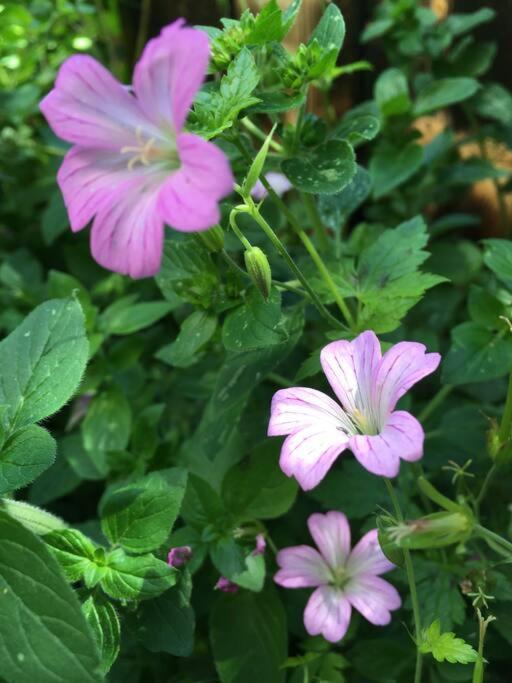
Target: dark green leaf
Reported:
[(335, 209), (254, 325), (195, 332), (392, 92), (391, 166), (107, 425), (24, 456)]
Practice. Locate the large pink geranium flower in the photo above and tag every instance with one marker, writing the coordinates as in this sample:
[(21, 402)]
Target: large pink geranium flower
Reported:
[(131, 167), (368, 386), (343, 579)]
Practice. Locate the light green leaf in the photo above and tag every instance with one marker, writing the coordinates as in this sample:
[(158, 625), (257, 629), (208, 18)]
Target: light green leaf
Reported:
[(73, 551), (167, 623), (494, 102), (446, 647), (133, 317), (136, 578), (330, 31), (249, 638), (326, 169), (392, 92), (195, 332), (498, 257), (42, 362), (43, 633), (24, 456), (357, 127), (253, 577), (443, 93), (104, 623), (140, 515)]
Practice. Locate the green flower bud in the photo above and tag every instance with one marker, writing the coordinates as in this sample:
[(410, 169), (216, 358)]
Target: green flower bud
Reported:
[(213, 239), (433, 531), (258, 268)]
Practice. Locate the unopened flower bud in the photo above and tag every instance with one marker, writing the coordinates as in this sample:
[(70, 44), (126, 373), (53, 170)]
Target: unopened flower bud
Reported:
[(433, 531), (225, 585), (261, 544), (179, 556), (258, 268), (213, 239)]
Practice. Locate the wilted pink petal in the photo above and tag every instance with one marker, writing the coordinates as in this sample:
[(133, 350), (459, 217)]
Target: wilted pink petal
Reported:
[(373, 597), (368, 386), (367, 556), (327, 613), (132, 169), (301, 567), (331, 534), (179, 556), (342, 579), (226, 586), (278, 182)]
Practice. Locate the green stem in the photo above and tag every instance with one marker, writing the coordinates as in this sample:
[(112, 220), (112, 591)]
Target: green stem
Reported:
[(485, 486), (280, 380), (506, 420), (493, 538), (315, 219), (292, 265), (435, 402), (253, 128), (245, 242), (409, 568)]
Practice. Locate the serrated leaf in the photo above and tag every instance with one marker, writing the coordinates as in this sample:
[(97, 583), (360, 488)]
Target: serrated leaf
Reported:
[(446, 647), (24, 456), (42, 362), (326, 169), (43, 633), (139, 515)]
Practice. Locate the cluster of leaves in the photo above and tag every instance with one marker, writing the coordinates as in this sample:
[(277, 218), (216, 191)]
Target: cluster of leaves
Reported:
[(155, 394)]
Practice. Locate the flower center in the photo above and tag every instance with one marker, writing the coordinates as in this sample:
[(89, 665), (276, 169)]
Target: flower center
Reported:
[(364, 423), (147, 151), (339, 577)]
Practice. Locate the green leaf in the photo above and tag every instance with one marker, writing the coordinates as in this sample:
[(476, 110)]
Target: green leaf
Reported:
[(227, 556), (392, 92), (443, 93), (335, 209), (326, 169), (268, 25), (254, 325), (136, 578), (167, 623), (257, 164), (275, 102), (439, 596), (485, 309), (494, 102), (216, 110), (43, 633), (73, 551), (446, 647), (391, 166), (107, 425), (477, 354), (330, 31), (202, 505), (249, 638), (253, 577), (130, 318), (357, 127), (187, 272), (42, 362), (140, 515), (383, 659), (257, 489), (498, 257), (90, 464), (195, 332), (104, 623), (24, 456), (54, 220), (457, 24), (33, 518)]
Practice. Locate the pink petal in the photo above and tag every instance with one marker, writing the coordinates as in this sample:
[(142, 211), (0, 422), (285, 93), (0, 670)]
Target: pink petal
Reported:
[(401, 367), (278, 181), (376, 454), (189, 198), (127, 235), (293, 409), (328, 613), (373, 597), (89, 107), (331, 534), (367, 557), (350, 368), (301, 567), (406, 434), (170, 72), (309, 453)]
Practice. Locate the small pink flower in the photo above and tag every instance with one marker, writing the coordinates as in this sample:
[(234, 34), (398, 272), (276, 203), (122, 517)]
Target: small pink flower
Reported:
[(261, 544), (343, 579), (226, 586), (179, 556), (278, 181), (368, 386), (132, 168)]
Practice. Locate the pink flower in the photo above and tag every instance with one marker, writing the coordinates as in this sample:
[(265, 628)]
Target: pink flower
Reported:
[(368, 386), (261, 544), (226, 586), (131, 167), (179, 556), (278, 181), (343, 579)]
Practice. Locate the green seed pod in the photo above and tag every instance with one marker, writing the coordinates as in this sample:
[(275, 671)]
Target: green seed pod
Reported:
[(433, 531), (213, 239), (258, 268)]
